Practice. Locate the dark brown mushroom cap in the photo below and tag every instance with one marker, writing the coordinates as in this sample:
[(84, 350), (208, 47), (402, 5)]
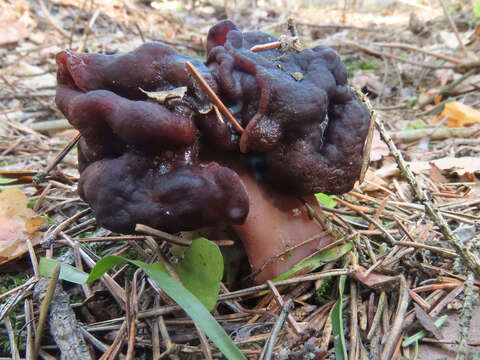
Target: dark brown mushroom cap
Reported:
[(139, 159), (297, 110)]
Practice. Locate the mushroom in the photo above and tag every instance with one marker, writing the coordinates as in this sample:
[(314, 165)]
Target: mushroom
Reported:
[(176, 165)]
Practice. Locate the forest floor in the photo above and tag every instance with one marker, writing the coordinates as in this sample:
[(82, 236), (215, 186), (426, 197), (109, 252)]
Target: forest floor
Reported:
[(414, 259)]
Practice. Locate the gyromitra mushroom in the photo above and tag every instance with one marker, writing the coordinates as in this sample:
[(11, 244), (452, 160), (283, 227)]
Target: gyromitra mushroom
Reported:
[(176, 165)]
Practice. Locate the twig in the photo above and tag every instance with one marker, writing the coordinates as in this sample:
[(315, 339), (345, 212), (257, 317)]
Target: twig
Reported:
[(29, 342), (52, 233), (391, 56), (437, 134), (267, 46), (468, 258), (284, 252), (368, 142), (51, 125), (335, 27), (278, 299), (454, 28), (11, 338), (388, 236), (131, 313), (88, 28), (447, 89), (213, 97), (114, 349), (41, 176), (466, 317), (51, 20), (295, 280), (45, 308), (204, 343), (268, 349), (75, 22), (444, 252), (162, 235), (292, 28), (421, 50), (396, 330), (377, 317)]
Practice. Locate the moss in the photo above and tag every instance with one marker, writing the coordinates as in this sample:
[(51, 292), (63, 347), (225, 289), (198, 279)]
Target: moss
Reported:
[(355, 64)]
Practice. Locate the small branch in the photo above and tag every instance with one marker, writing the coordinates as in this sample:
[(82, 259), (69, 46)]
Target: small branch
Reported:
[(447, 89), (468, 258), (75, 22), (267, 46), (11, 338), (391, 56), (29, 344), (274, 258), (377, 317), (268, 349), (44, 309), (406, 136), (41, 176), (278, 299), (420, 50), (162, 235), (51, 20), (213, 97), (454, 28), (292, 28), (466, 317), (396, 329)]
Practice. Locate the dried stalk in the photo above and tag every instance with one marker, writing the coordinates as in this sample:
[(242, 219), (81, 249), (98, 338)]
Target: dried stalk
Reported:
[(468, 258)]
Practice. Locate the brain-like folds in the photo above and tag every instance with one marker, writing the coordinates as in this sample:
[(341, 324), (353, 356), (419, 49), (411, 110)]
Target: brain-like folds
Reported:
[(142, 161)]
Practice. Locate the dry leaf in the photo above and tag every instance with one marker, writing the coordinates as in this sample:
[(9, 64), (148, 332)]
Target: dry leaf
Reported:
[(368, 80), (379, 149), (164, 96), (31, 76), (427, 322), (13, 31), (375, 280), (17, 224), (458, 166), (436, 174), (458, 114), (470, 84)]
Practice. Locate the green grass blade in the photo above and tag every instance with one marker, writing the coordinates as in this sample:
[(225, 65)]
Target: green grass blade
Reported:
[(190, 304), (337, 323), (67, 272), (422, 333)]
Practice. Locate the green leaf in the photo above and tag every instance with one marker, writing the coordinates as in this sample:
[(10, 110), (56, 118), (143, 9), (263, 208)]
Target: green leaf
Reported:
[(417, 124), (201, 270), (67, 272), (476, 9), (190, 304), (337, 323), (317, 260), (326, 200), (422, 333)]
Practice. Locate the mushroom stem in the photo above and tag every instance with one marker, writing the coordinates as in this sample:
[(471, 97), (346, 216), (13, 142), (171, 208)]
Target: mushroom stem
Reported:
[(277, 224)]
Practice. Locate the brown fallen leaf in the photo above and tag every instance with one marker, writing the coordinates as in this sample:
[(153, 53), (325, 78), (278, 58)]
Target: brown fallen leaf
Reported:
[(375, 280), (17, 224), (369, 81), (379, 149), (453, 165), (458, 115), (427, 322), (14, 30)]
